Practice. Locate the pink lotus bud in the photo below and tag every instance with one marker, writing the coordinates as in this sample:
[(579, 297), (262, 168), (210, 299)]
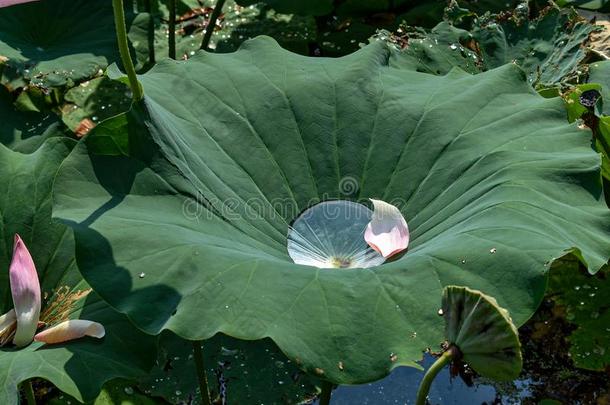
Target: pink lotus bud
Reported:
[(6, 3), (25, 289)]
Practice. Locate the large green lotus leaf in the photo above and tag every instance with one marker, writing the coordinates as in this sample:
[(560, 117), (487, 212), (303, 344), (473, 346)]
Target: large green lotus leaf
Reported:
[(254, 372), (58, 42), (81, 367), (492, 180)]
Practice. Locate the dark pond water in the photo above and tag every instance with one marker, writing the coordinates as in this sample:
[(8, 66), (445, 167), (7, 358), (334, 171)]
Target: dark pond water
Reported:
[(400, 388)]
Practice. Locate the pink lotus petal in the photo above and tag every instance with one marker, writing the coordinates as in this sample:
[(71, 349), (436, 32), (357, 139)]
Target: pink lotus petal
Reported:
[(26, 293), (387, 232), (6, 3), (70, 330)]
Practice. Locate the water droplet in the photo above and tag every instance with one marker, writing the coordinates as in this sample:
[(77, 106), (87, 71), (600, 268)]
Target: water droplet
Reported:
[(128, 390), (440, 312), (393, 357), (178, 392), (493, 250), (340, 365), (142, 275), (453, 46)]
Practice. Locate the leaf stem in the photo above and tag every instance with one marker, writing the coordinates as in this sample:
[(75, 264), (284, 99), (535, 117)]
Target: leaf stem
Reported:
[(209, 28), (29, 392), (327, 389), (172, 29), (424, 386), (121, 36), (202, 377)]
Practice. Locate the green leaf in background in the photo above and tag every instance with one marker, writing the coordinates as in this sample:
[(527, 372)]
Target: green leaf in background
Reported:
[(21, 129), (81, 367), (549, 48), (572, 99), (95, 100), (54, 43), (115, 392), (597, 5), (599, 73), (303, 7), (492, 180), (435, 52), (599, 44), (255, 372), (483, 332), (585, 300), (235, 25)]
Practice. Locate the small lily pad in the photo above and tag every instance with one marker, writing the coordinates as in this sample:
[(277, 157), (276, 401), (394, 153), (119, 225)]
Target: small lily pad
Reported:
[(483, 332)]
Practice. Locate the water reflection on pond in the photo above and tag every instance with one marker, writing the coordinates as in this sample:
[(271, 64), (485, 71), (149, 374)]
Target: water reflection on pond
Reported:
[(400, 387)]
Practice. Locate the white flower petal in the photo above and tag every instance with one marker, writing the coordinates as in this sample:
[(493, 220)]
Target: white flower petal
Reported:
[(70, 330)]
